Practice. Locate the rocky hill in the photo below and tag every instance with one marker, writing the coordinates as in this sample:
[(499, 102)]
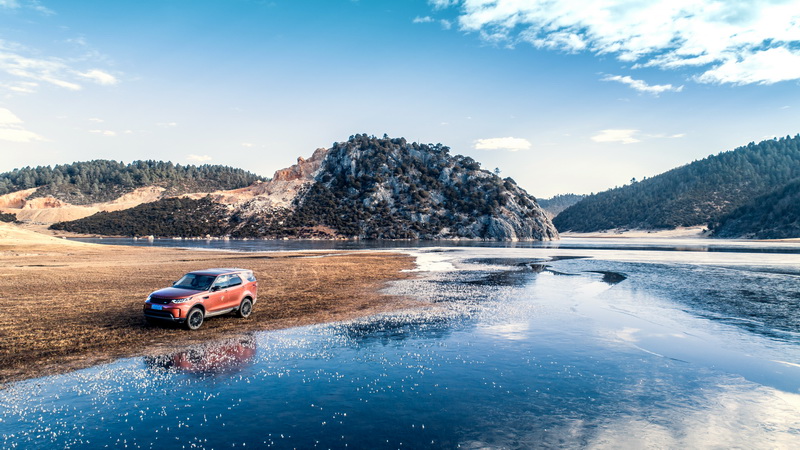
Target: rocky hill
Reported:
[(366, 187), (699, 193)]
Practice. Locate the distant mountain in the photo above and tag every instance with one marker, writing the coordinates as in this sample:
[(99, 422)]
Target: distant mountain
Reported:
[(772, 216), (554, 205), (366, 187), (84, 183), (699, 193)]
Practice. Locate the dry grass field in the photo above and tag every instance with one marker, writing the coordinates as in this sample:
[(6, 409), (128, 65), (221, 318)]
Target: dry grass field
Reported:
[(66, 305)]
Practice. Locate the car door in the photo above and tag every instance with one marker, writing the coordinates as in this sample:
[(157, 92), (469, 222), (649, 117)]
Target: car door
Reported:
[(235, 288), (215, 299)]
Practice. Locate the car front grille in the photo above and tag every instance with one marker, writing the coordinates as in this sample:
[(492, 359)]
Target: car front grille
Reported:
[(160, 301), (154, 313)]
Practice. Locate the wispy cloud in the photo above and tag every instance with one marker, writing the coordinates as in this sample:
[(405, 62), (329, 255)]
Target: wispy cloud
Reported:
[(630, 136), (27, 70), (11, 129), (28, 4), (621, 136), (108, 133), (426, 19), (446, 24), (100, 77), (441, 4), (642, 86), (199, 158), (505, 143), (666, 136), (742, 42), (167, 124)]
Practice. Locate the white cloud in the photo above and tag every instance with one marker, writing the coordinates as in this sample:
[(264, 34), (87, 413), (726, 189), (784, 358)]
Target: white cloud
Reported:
[(622, 136), (8, 118), (28, 72), (247, 144), (20, 87), (426, 19), (167, 124), (96, 120), (11, 129), (32, 4), (100, 77), (762, 67), (199, 158), (446, 24), (505, 143), (741, 42), (642, 86), (104, 132), (666, 136), (441, 4)]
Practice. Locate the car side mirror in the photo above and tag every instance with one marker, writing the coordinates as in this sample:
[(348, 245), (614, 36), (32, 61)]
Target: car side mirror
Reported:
[(214, 288)]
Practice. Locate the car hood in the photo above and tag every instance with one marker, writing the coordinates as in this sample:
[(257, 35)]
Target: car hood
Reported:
[(172, 292)]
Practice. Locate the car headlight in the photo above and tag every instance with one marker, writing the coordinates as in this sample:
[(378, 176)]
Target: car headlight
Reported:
[(148, 298), (181, 300)]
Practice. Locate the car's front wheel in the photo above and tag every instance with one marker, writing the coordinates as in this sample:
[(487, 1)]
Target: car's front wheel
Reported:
[(194, 319), (245, 308)]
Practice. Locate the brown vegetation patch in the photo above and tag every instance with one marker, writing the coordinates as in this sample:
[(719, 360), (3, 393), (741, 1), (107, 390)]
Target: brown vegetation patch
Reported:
[(67, 306)]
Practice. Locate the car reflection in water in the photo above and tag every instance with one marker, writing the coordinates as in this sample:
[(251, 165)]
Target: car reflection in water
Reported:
[(212, 359)]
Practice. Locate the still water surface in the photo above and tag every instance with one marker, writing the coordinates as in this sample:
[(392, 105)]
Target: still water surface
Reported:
[(588, 343)]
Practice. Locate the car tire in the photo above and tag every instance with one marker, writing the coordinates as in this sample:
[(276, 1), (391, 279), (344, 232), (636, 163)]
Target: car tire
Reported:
[(245, 308), (194, 319)]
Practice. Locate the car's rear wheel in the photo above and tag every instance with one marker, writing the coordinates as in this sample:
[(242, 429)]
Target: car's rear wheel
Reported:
[(245, 308), (194, 319)]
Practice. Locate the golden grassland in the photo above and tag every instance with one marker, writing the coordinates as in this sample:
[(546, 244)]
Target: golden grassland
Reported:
[(66, 305)]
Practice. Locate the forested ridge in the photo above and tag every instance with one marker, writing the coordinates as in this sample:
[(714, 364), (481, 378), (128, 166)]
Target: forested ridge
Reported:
[(772, 216), (699, 193), (99, 180), (554, 205), (166, 217)]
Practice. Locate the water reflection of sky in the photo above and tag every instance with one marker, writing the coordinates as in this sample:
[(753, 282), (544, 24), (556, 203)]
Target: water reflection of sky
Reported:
[(516, 351)]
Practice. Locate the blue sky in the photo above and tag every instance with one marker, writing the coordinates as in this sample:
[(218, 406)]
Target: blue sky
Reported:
[(575, 96)]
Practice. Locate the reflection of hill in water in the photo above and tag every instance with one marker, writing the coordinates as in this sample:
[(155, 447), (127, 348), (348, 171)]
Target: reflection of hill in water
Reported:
[(212, 359)]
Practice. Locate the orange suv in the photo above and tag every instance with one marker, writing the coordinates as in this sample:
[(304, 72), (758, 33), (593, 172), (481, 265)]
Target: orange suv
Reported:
[(201, 294)]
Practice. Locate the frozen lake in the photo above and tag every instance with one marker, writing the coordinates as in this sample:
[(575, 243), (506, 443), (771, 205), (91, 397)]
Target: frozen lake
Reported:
[(606, 343)]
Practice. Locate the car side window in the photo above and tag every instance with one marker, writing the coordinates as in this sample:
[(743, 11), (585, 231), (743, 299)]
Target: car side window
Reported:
[(222, 281), (235, 280)]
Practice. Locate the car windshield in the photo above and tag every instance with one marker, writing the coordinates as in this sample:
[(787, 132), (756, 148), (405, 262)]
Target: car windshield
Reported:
[(195, 282)]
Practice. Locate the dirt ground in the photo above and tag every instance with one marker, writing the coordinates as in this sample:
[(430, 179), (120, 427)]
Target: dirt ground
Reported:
[(67, 305)]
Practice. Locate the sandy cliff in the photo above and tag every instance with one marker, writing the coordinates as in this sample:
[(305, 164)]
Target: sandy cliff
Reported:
[(279, 192), (50, 210)]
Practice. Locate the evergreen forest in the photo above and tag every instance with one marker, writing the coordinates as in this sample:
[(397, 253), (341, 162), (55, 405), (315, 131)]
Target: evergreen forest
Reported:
[(100, 180), (699, 193)]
